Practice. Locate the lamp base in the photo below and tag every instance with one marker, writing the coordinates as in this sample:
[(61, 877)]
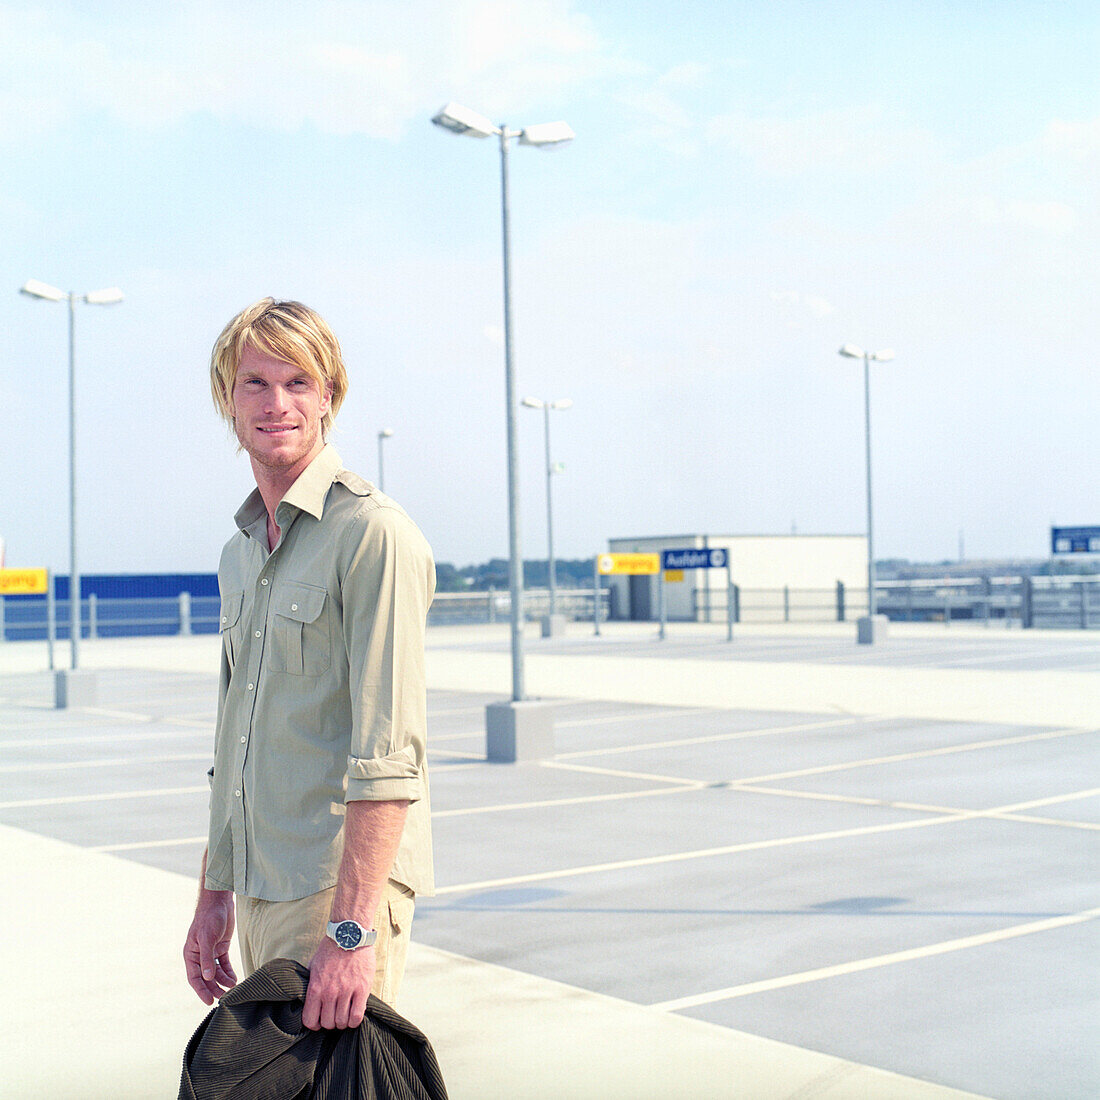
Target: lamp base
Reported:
[(871, 629), (553, 626), (519, 732), (74, 687)]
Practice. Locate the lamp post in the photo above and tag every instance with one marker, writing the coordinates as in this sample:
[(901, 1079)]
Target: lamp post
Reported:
[(384, 434), (534, 403), (867, 628), (461, 120), (34, 289)]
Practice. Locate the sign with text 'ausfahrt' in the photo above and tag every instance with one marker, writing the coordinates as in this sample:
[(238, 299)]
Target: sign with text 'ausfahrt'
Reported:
[(693, 559), (1075, 540)]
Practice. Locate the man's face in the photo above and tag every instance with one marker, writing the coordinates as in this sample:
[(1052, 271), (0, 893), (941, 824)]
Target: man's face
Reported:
[(277, 411)]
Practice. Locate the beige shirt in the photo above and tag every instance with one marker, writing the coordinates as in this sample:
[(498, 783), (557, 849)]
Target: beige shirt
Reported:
[(322, 696)]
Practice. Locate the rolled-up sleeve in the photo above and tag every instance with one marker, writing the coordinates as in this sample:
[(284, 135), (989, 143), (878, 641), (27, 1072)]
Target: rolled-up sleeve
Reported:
[(386, 591)]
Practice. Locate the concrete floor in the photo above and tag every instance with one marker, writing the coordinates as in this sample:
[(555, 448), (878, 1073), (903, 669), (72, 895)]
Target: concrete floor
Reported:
[(910, 895)]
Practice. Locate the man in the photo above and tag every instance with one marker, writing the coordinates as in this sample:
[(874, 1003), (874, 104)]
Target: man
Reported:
[(319, 823)]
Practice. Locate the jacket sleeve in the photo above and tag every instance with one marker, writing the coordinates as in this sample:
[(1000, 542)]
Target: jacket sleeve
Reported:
[(386, 590)]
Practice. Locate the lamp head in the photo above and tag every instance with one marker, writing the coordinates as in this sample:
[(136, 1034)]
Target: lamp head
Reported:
[(34, 289), (106, 297), (850, 351), (461, 120), (532, 403), (883, 356), (385, 433), (547, 133)]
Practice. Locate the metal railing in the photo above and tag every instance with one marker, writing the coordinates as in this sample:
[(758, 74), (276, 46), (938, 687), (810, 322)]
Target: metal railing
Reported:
[(779, 605), (496, 606), (117, 617), (1066, 602), (1031, 602)]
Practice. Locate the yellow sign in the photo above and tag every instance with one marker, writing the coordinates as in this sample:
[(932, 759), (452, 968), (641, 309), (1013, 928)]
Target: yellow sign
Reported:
[(629, 563), (673, 576), (22, 582)]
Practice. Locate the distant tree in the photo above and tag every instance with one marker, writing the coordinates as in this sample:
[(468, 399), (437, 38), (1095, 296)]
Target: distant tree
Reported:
[(575, 573)]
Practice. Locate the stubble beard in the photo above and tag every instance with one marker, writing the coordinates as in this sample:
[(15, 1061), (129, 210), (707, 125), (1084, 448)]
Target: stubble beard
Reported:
[(279, 461)]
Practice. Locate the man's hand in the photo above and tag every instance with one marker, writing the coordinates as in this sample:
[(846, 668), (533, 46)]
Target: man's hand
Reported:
[(339, 985), (206, 951)]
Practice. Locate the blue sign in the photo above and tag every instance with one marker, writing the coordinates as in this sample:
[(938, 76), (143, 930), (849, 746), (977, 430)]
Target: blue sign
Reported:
[(1075, 540), (693, 559)]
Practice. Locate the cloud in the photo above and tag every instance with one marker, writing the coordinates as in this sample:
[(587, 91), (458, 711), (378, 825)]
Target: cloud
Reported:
[(1077, 141), (1048, 217), (813, 304), (367, 68), (861, 137)]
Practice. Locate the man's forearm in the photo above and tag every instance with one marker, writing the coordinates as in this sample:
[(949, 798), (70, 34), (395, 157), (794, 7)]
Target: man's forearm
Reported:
[(372, 834), (210, 895)]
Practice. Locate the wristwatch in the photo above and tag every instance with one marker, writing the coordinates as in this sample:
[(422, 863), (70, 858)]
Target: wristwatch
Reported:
[(350, 934)]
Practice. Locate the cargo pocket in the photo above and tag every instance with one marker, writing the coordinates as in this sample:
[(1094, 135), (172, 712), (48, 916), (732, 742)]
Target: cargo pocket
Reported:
[(392, 948), (301, 630), (229, 625)]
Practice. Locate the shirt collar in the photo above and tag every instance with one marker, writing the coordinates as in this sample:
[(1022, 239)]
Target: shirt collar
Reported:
[(308, 493)]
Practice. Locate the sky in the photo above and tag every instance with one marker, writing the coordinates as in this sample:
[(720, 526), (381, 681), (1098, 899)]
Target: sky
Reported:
[(752, 185)]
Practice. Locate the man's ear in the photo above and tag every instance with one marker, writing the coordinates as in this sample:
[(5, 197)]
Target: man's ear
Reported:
[(326, 398)]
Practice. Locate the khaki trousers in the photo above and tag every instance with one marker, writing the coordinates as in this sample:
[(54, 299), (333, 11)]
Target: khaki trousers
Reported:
[(269, 930)]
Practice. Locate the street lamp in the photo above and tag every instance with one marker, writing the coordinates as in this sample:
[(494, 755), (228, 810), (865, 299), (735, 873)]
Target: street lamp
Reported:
[(536, 742), (34, 289), (546, 406), (866, 628), (385, 433)]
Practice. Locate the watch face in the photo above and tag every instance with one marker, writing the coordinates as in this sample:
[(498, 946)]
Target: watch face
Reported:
[(348, 934)]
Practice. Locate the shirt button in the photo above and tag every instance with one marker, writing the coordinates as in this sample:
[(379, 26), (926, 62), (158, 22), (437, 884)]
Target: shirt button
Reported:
[(243, 740), (257, 633), (225, 618), (251, 686), (264, 581), (293, 607), (237, 793)]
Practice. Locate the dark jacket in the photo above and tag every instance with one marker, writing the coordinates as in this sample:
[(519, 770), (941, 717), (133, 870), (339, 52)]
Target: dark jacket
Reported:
[(252, 1046)]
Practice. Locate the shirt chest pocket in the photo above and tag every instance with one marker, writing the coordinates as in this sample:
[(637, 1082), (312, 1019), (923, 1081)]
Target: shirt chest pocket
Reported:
[(229, 625), (303, 646)]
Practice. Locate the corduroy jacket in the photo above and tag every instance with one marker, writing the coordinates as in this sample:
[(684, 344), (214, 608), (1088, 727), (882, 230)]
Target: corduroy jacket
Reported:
[(253, 1046)]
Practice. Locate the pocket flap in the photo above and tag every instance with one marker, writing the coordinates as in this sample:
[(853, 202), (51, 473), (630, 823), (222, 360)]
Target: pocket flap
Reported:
[(231, 610), (301, 602)]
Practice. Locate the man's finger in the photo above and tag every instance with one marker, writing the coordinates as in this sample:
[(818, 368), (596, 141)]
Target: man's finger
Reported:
[(311, 1013), (206, 958), (225, 975), (357, 1010)]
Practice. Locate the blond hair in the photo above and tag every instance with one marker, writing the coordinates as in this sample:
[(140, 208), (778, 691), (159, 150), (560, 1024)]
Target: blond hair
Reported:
[(288, 331)]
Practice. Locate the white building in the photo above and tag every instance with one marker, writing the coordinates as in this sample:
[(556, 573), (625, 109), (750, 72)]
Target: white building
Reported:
[(778, 577)]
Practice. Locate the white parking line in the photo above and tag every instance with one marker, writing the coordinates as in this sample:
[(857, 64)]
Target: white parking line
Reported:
[(108, 736), (1008, 813), (701, 853), (72, 799), (116, 761), (748, 846), (136, 845), (575, 801), (636, 715), (734, 735), (921, 754), (593, 769), (890, 959), (129, 715)]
